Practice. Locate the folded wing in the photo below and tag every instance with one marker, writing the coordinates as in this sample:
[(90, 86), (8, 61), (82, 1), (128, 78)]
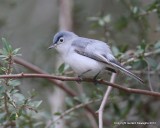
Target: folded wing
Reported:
[(101, 52)]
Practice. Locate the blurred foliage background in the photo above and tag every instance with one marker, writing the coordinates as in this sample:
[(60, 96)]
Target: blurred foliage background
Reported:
[(131, 28)]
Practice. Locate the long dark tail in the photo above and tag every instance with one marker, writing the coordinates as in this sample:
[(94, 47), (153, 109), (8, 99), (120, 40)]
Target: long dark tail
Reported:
[(120, 67)]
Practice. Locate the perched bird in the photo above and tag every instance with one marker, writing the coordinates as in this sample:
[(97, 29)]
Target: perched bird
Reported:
[(87, 57)]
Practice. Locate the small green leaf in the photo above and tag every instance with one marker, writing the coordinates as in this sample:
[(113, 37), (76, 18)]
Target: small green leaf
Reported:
[(101, 22), (16, 51), (115, 50), (57, 113), (116, 109), (69, 102), (107, 18), (63, 67), (3, 69), (13, 91), (143, 46), (153, 6), (135, 9), (14, 83), (2, 115), (121, 23), (18, 98), (3, 56), (13, 116), (35, 104), (2, 89), (140, 64), (157, 45), (123, 48), (6, 45), (151, 62)]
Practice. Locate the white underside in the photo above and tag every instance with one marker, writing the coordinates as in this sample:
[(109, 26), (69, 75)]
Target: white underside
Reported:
[(84, 66)]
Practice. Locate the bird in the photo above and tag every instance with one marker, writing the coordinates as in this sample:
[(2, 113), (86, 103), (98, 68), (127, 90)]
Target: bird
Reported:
[(87, 57)]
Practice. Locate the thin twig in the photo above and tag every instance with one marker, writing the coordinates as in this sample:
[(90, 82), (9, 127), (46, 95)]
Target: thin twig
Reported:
[(104, 101), (146, 72), (71, 110), (5, 104), (145, 54), (149, 79)]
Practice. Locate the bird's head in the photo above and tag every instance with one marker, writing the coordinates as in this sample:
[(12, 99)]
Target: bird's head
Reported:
[(62, 38)]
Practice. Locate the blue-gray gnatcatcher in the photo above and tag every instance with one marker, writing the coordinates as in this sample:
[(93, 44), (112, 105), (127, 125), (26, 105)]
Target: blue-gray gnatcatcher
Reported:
[(87, 57)]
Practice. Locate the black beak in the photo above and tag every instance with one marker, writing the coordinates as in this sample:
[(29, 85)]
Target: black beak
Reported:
[(52, 46)]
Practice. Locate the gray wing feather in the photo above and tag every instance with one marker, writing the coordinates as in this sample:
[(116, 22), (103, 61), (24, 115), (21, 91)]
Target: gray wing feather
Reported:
[(99, 51), (94, 49)]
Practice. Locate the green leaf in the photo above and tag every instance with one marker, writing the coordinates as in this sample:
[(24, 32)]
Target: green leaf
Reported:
[(16, 51), (135, 10), (6, 45), (101, 22), (3, 56), (14, 83), (69, 102), (18, 98), (2, 89), (3, 69), (35, 104), (57, 113), (153, 6), (13, 116), (151, 62), (139, 51), (107, 18), (2, 115), (4, 52), (116, 109), (123, 48), (63, 67), (13, 91), (115, 50), (157, 45), (143, 45), (140, 64), (121, 23)]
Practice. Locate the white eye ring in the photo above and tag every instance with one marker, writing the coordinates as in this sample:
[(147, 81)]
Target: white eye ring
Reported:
[(61, 39)]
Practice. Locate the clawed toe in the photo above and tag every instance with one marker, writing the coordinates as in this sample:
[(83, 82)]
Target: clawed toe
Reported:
[(79, 79)]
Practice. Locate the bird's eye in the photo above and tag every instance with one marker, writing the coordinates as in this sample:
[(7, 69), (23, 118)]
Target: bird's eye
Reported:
[(61, 39)]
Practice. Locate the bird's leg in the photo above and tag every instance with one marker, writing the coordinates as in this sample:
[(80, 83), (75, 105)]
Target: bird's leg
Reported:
[(80, 76), (95, 78)]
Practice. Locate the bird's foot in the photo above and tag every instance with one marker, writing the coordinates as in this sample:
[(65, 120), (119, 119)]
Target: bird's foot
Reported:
[(95, 79), (79, 79)]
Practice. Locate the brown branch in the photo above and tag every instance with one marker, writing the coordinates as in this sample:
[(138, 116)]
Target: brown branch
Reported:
[(39, 71), (100, 81)]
